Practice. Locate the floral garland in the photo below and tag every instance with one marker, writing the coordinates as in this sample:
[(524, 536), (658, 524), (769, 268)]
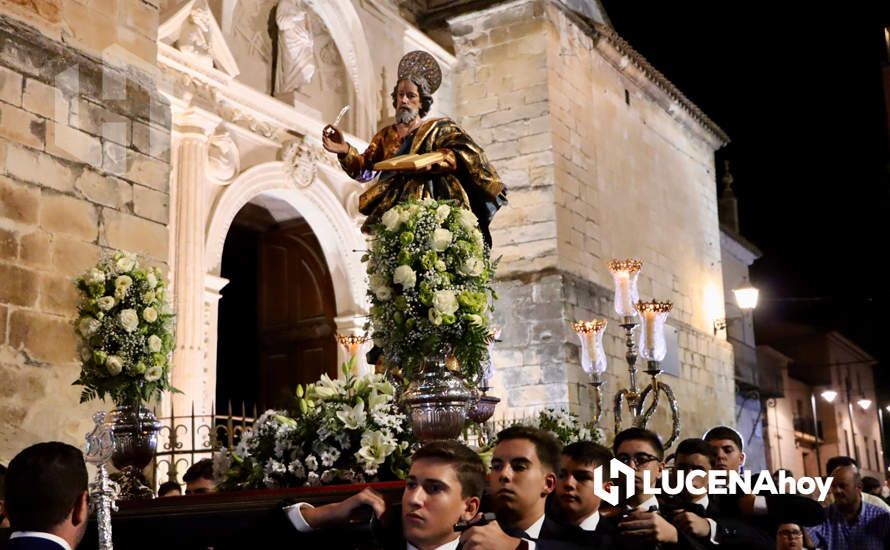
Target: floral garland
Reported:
[(125, 332), (430, 287), (343, 431)]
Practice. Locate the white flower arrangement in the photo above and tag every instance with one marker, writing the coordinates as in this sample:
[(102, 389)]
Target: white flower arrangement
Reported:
[(568, 428), (430, 280), (125, 332), (343, 431)]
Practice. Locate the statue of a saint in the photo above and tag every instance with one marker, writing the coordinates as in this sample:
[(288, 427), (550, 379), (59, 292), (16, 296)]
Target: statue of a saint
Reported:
[(296, 65), (463, 173)]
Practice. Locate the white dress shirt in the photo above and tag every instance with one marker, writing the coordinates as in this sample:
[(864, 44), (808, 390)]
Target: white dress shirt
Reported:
[(41, 535), (590, 522), (447, 546)]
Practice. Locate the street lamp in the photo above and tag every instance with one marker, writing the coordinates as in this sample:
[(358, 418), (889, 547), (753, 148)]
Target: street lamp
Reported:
[(746, 299), (831, 395), (864, 403)]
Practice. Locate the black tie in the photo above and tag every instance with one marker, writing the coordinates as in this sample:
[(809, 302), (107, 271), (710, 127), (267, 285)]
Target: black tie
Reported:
[(518, 533)]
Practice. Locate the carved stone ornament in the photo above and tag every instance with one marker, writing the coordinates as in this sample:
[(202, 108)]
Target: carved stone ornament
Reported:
[(299, 160), (194, 38), (223, 157)]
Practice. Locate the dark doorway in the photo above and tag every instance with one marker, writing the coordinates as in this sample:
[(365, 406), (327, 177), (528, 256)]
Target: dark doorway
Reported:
[(276, 314)]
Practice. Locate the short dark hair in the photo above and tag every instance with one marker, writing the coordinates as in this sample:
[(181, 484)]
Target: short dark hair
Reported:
[(696, 446), (547, 447), (202, 469), (467, 464), (641, 434), (836, 462), (168, 486), (423, 88), (725, 432), (43, 484), (869, 484), (588, 453)]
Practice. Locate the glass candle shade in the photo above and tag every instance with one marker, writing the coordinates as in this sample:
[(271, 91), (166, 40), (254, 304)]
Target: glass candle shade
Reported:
[(652, 317), (593, 358), (352, 343), (625, 274)]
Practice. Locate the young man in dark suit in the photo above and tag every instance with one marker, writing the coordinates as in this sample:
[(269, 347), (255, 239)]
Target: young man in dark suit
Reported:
[(46, 497), (576, 504), (444, 486)]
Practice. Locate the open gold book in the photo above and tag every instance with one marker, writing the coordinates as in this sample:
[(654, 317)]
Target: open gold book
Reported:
[(411, 161)]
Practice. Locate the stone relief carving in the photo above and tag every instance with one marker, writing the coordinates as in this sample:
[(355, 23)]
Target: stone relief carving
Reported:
[(223, 157), (194, 38), (299, 159), (296, 62)]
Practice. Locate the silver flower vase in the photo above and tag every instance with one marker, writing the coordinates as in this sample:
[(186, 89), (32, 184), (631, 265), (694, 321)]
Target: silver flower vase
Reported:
[(134, 433), (438, 401)]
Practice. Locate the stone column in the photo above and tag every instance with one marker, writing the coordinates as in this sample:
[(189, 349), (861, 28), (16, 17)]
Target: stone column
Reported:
[(190, 138)]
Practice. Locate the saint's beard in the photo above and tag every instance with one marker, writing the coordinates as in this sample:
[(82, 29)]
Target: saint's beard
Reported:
[(405, 115)]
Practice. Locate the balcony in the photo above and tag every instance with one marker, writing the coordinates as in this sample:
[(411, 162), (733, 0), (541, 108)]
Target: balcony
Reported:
[(803, 430)]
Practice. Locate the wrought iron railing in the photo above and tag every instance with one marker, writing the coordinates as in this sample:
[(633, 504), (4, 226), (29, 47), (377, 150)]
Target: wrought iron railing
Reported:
[(186, 438)]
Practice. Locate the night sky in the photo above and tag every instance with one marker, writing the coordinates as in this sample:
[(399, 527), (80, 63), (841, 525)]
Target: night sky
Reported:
[(799, 92)]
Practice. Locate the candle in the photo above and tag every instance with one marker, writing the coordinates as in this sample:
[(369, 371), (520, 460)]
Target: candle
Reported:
[(624, 292), (649, 317)]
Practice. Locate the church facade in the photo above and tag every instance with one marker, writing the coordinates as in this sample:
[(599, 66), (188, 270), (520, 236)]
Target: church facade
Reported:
[(189, 132)]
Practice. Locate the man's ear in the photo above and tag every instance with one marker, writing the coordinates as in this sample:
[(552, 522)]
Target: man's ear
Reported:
[(471, 508), (742, 457), (81, 510), (549, 483)]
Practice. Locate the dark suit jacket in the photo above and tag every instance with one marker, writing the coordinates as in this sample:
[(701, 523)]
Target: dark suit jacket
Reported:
[(733, 532), (31, 543), (559, 536)]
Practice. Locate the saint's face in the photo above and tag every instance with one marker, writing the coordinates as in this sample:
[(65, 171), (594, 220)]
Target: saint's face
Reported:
[(574, 490), (432, 503), (407, 101)]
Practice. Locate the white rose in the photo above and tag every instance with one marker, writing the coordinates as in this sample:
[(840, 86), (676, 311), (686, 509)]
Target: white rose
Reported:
[(151, 280), (125, 264), (154, 344), (123, 281), (87, 326), (383, 293), (153, 373), (442, 212), (440, 265), (129, 319), (405, 276), (150, 314), (121, 285), (148, 297), (95, 276), (391, 219), (445, 302), (441, 239), (466, 219), (434, 316), (376, 281), (114, 365), (105, 303), (473, 267)]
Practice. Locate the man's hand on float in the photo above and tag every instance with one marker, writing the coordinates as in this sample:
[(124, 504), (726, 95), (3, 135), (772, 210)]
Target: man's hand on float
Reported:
[(649, 527), (489, 537), (332, 140), (692, 523), (332, 515)]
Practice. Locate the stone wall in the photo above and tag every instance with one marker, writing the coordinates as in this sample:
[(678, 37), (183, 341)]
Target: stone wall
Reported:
[(601, 161), (84, 164)]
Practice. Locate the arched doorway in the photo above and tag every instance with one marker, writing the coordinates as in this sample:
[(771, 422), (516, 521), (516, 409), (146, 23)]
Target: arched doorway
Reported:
[(277, 313)]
